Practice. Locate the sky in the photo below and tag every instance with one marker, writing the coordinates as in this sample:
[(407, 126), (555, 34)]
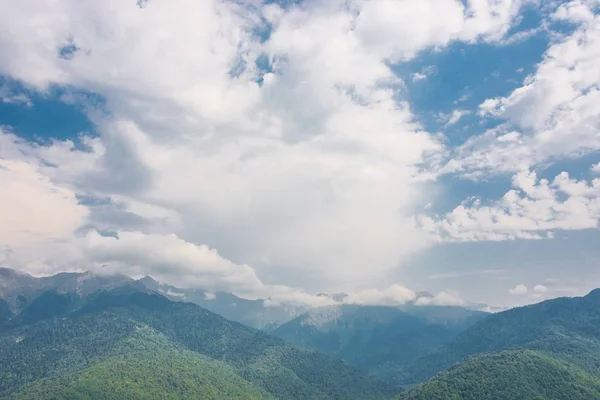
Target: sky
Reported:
[(285, 148)]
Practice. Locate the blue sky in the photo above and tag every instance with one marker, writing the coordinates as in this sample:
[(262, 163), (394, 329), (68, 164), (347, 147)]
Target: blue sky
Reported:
[(282, 149)]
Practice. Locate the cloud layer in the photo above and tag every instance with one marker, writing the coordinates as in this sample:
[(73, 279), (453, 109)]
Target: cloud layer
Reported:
[(258, 148)]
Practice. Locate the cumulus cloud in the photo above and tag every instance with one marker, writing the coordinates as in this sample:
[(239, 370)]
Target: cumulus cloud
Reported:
[(289, 152), (396, 295), (540, 289), (554, 111), (518, 290), (245, 162), (596, 168), (38, 218), (534, 209)]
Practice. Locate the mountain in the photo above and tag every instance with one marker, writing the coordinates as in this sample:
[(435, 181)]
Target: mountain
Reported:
[(566, 328), (19, 289), (259, 314), (132, 341), (377, 339), (509, 375)]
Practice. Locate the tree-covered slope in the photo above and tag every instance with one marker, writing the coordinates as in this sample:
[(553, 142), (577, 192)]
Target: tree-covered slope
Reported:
[(509, 375), (60, 346), (377, 339), (146, 366), (568, 328)]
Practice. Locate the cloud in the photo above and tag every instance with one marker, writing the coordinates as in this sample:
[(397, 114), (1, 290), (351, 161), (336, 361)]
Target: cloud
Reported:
[(456, 116), (244, 161), (534, 209), (447, 275), (209, 296), (396, 295), (444, 298), (10, 96), (169, 259), (518, 290), (553, 112), (393, 295), (596, 168), (540, 289), (38, 217), (417, 76)]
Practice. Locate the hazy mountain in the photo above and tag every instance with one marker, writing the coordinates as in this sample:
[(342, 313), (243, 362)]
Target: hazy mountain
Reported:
[(259, 314), (129, 340), (567, 328), (377, 339), (509, 375), (19, 289)]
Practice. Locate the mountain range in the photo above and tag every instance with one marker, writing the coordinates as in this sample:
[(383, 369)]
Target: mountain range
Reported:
[(88, 336), (69, 343), (378, 339)]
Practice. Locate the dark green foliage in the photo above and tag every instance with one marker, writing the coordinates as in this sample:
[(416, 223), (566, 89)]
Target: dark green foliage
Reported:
[(50, 304), (5, 313), (509, 375), (148, 368), (65, 348), (568, 328)]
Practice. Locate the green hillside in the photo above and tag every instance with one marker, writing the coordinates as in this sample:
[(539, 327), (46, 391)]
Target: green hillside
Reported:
[(509, 375), (149, 367), (80, 345), (568, 328)]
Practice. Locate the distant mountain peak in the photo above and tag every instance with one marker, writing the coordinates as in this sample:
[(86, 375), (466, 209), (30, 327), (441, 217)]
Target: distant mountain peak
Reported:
[(594, 294), (149, 281)]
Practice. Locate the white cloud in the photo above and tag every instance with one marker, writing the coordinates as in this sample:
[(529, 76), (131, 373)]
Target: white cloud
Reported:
[(311, 171), (534, 209), (169, 259), (456, 116), (393, 295), (540, 289), (518, 290), (7, 95), (417, 76), (554, 110), (596, 168), (38, 217), (396, 295)]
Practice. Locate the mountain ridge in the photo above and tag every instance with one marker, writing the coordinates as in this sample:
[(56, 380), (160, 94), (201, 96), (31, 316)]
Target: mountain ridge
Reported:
[(87, 335)]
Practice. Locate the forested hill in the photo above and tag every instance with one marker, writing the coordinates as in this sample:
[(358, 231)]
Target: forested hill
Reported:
[(509, 375), (93, 346), (567, 328)]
